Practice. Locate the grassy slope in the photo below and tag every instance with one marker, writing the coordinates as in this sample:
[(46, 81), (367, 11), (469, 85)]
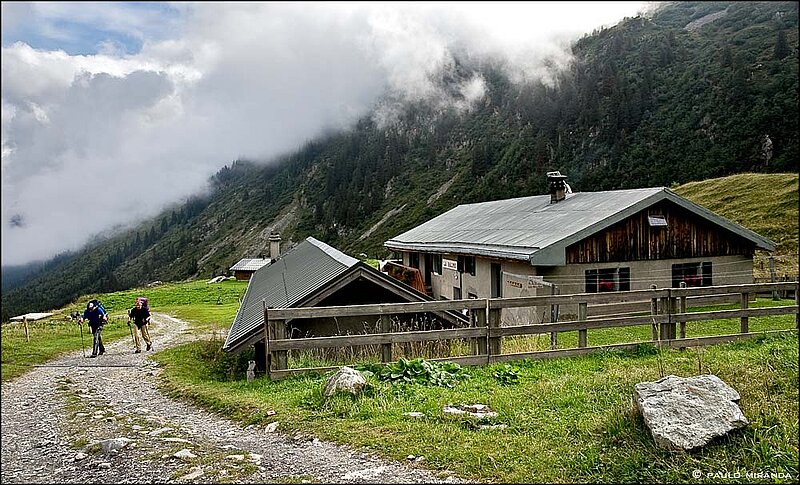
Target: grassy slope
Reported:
[(764, 203)]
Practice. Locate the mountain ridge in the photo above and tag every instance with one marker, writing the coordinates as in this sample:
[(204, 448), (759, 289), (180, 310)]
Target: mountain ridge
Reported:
[(644, 103)]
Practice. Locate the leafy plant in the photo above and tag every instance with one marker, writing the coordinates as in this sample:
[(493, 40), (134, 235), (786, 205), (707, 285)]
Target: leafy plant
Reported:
[(507, 374), (417, 371)]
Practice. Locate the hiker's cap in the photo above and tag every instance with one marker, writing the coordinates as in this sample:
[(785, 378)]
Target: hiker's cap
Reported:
[(90, 306)]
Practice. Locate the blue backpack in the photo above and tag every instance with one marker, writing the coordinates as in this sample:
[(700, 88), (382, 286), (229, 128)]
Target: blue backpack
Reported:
[(97, 304)]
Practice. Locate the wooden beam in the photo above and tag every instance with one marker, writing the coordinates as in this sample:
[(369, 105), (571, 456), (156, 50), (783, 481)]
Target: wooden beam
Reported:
[(376, 338)]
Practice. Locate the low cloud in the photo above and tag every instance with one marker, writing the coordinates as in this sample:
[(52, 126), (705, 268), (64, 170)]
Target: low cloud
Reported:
[(93, 141)]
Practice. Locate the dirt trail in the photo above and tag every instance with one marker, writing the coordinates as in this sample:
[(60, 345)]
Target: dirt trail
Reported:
[(78, 420)]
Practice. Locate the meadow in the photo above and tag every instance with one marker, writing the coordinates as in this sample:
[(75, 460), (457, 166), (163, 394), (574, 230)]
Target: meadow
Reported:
[(566, 420)]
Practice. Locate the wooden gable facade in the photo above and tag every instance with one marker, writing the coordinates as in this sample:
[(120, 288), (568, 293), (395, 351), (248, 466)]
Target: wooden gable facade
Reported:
[(661, 231)]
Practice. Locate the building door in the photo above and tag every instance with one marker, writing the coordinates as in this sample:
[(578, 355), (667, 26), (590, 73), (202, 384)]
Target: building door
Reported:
[(497, 281), (428, 268)]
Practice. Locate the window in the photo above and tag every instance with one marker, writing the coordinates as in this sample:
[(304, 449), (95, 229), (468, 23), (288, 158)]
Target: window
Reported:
[(413, 260), (456, 293), (437, 264), (657, 221), (608, 279), (693, 274), (466, 264)]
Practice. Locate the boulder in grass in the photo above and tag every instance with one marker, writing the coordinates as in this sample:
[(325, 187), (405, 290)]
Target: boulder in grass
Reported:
[(686, 413), (346, 380)]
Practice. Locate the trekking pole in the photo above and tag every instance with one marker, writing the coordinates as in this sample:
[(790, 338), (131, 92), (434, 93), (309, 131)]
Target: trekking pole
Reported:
[(83, 346), (131, 329)]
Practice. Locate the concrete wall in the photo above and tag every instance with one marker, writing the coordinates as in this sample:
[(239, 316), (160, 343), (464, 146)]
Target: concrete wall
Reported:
[(726, 270)]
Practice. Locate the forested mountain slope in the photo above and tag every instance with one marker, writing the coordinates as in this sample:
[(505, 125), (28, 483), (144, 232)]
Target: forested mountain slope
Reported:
[(698, 90)]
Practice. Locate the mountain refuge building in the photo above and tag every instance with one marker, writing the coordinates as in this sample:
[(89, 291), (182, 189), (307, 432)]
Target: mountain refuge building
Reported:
[(588, 242)]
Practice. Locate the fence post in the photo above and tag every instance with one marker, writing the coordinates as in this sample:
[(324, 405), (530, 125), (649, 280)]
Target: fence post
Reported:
[(772, 275), (481, 321), (386, 349), (797, 304), (494, 342), (582, 318), (668, 328), (25, 324), (264, 361), (682, 309), (653, 313), (744, 321), (277, 330), (554, 290)]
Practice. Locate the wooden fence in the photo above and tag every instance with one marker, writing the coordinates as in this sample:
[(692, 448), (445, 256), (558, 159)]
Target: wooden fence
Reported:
[(667, 318)]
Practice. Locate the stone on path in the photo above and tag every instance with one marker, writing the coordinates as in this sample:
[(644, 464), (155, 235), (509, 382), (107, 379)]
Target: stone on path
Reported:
[(684, 413), (113, 444), (197, 473), (271, 427), (185, 453)]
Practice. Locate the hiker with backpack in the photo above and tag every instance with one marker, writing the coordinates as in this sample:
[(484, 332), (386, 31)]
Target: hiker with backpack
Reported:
[(96, 316), (140, 314)]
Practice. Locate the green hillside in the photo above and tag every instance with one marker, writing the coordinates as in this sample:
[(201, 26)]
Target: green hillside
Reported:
[(764, 203)]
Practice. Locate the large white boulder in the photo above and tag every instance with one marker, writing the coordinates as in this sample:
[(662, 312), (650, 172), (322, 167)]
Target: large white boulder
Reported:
[(684, 413)]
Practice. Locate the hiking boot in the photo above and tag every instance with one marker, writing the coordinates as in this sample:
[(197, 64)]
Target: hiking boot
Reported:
[(102, 352), (149, 346), (138, 351), (93, 356)]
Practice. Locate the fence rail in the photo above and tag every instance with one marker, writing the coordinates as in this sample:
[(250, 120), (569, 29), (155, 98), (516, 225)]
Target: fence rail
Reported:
[(667, 311)]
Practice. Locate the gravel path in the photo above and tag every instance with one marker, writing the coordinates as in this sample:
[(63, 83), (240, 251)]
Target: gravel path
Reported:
[(103, 420)]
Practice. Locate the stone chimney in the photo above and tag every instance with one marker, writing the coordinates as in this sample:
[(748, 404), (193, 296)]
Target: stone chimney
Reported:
[(558, 186), (274, 245)]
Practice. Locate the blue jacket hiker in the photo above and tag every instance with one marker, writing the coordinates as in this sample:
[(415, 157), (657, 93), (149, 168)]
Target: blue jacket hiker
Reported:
[(97, 317)]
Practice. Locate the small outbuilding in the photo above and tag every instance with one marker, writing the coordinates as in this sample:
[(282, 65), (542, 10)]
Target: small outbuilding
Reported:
[(245, 268), (316, 274)]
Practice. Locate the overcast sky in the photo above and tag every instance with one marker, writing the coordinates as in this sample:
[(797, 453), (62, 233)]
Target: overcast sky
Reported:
[(112, 111)]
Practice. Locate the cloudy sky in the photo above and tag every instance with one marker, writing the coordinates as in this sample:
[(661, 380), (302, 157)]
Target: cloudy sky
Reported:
[(112, 111)]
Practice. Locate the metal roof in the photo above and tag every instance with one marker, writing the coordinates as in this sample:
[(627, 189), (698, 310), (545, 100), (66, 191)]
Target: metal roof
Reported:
[(532, 229), (298, 273), (249, 264)]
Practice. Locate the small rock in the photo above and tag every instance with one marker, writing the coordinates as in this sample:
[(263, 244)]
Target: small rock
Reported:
[(114, 444), (235, 457), (185, 453), (80, 456), (493, 426), (191, 476), (255, 457), (159, 431), (104, 465), (316, 442), (346, 379), (410, 457), (414, 414), (271, 427), (136, 427), (175, 440)]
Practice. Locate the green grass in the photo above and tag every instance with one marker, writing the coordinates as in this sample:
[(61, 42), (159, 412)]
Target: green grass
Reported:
[(764, 203), (50, 338), (210, 306), (568, 420)]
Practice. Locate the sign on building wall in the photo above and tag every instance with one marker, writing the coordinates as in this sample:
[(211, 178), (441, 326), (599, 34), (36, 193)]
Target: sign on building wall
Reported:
[(449, 264)]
